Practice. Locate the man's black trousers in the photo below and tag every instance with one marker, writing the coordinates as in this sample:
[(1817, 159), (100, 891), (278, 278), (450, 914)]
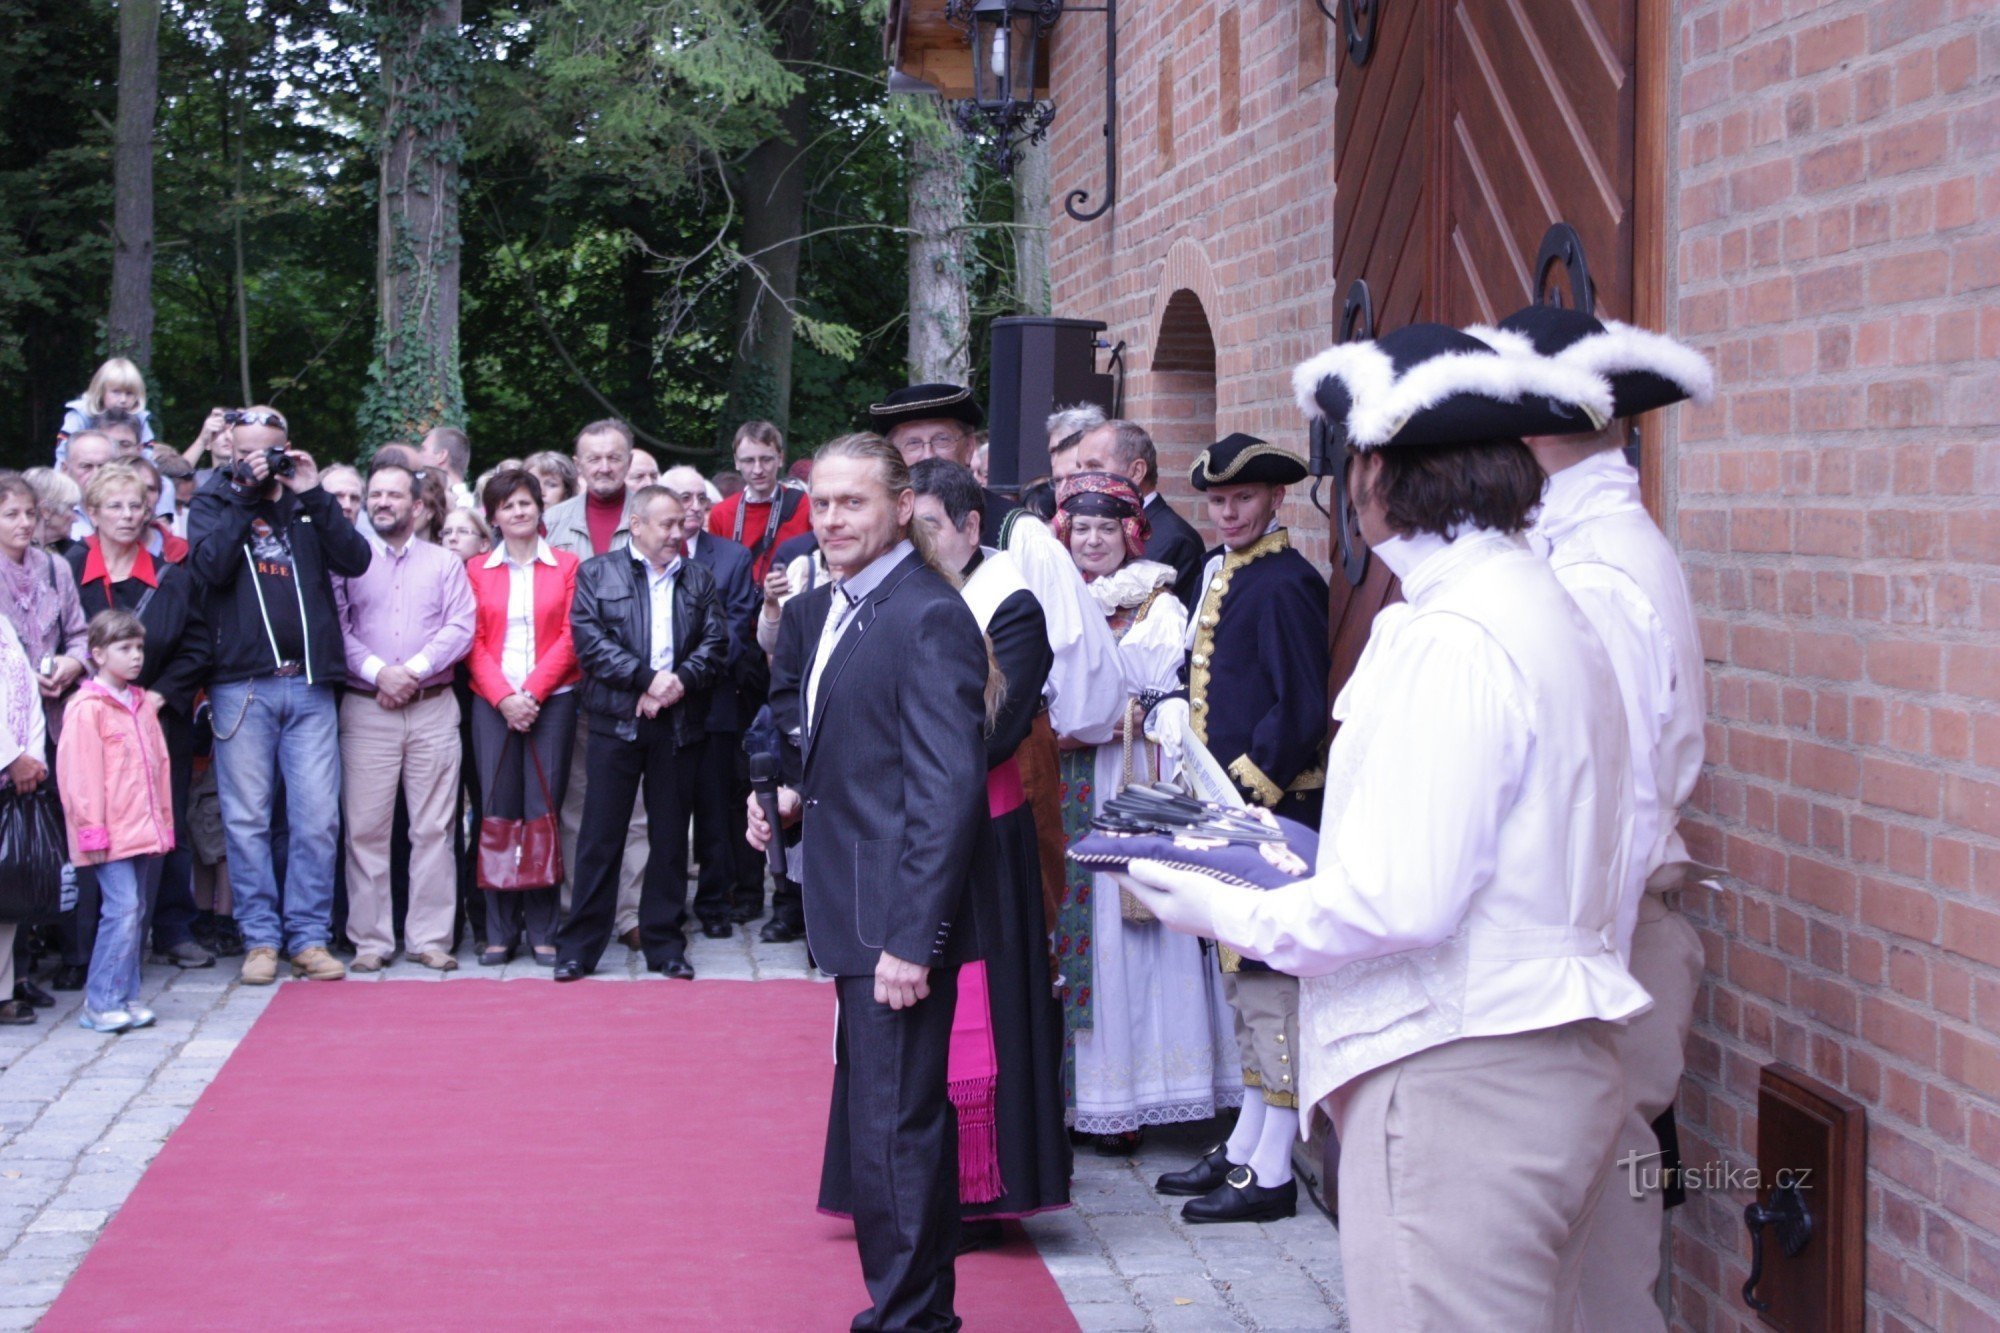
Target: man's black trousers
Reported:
[(902, 1148), (618, 771)]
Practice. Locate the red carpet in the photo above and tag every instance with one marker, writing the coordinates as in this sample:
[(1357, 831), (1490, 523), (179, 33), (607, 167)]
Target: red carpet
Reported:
[(488, 1155)]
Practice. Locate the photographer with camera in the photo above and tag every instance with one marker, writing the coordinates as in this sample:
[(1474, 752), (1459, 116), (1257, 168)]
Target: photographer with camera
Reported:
[(266, 540)]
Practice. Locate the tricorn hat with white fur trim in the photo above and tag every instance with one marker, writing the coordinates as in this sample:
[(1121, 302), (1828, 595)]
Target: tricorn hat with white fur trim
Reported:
[(1646, 369), (1432, 384)]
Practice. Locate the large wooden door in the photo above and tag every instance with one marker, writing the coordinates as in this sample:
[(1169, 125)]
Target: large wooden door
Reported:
[(1536, 112), (1470, 127)]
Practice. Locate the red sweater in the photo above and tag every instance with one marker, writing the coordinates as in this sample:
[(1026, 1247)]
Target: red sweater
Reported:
[(555, 654), (756, 516)]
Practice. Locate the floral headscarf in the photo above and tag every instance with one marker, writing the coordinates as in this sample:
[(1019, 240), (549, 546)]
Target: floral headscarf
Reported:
[(1104, 495)]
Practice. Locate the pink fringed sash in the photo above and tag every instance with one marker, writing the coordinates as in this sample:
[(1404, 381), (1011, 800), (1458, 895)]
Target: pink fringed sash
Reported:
[(974, 1068)]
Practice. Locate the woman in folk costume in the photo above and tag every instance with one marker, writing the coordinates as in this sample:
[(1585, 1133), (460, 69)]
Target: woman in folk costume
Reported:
[(1151, 1037)]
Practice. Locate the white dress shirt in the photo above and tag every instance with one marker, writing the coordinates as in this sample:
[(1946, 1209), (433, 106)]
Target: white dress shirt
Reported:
[(517, 651), (1620, 568), (848, 595), (1472, 848), (660, 587)]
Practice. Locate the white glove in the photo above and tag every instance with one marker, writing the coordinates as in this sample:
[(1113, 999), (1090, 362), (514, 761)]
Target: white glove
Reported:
[(1165, 724), (1179, 898)]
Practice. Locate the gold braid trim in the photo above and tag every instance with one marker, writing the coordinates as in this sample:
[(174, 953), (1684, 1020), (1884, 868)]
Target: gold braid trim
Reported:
[(1310, 780), (1209, 615), (1252, 1079), (1251, 778), (1284, 1101), (1242, 460)]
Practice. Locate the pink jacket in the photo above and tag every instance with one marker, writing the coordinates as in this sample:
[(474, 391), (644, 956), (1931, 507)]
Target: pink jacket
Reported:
[(112, 771)]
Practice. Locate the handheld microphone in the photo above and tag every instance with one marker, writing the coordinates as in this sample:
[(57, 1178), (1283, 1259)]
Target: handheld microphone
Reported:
[(764, 782)]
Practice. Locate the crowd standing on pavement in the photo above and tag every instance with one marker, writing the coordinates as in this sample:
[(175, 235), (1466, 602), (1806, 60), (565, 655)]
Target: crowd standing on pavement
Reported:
[(314, 716)]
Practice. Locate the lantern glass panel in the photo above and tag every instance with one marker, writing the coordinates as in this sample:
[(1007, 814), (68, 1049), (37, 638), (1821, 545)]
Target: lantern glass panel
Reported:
[(1021, 52), (990, 43)]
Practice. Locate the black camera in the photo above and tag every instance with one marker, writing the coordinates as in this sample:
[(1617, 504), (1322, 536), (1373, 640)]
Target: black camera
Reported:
[(276, 460)]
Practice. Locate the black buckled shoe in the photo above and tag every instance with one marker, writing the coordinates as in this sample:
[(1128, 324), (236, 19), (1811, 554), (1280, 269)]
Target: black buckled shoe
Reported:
[(1241, 1199), (1208, 1173), (28, 993)]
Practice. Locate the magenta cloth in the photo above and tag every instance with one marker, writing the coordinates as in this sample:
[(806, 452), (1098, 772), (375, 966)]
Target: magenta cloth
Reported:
[(418, 603), (364, 1161)]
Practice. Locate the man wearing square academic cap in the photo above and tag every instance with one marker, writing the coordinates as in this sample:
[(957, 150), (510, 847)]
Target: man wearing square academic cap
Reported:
[(1256, 697), (1622, 571), (1458, 940)]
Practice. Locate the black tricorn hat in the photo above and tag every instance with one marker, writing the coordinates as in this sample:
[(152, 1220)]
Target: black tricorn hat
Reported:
[(1432, 384), (1646, 369), (927, 402), (1241, 459)]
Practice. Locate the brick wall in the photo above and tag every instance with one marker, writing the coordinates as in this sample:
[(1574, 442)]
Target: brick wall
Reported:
[(1838, 507), (1238, 217)]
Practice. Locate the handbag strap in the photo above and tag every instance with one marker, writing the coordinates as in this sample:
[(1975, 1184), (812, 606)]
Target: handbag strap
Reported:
[(541, 777)]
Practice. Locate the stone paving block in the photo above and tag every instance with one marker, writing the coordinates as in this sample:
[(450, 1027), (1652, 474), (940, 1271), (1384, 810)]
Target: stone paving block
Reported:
[(49, 1245), (70, 1219), (1114, 1317)]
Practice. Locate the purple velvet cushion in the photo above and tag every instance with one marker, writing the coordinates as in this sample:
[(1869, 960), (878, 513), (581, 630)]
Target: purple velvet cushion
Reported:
[(1253, 865)]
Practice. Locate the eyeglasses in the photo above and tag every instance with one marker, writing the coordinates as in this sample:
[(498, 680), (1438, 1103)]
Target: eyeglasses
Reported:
[(242, 418), (936, 444)]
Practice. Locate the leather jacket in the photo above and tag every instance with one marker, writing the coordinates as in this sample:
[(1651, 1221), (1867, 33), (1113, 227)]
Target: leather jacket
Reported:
[(611, 624)]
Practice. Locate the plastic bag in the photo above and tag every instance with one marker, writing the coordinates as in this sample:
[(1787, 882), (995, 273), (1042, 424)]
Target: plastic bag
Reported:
[(33, 851)]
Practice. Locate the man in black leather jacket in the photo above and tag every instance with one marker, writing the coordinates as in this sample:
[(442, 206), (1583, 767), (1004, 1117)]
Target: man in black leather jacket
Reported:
[(651, 638)]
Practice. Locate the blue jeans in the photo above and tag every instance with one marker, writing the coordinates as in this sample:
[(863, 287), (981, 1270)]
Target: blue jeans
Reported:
[(126, 888), (263, 728)]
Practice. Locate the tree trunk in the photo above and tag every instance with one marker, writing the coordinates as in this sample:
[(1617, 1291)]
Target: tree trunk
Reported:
[(940, 306), (772, 194), (1031, 228), (130, 325), (426, 72)]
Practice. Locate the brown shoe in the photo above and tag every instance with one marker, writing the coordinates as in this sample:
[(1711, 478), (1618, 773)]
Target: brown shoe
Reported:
[(437, 960), (367, 962), (260, 967), (317, 964), (630, 939)]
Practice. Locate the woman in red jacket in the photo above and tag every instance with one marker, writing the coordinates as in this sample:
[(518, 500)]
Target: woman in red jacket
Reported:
[(524, 708)]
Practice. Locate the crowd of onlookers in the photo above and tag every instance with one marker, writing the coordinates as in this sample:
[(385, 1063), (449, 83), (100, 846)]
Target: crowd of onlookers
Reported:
[(343, 677)]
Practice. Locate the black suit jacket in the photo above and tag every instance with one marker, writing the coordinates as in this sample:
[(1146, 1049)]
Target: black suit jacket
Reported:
[(745, 676), (898, 842), (1175, 542)]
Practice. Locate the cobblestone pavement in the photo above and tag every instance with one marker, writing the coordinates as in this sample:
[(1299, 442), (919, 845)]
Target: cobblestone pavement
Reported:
[(82, 1114)]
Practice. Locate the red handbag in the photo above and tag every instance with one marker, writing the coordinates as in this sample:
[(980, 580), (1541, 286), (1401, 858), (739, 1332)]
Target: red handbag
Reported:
[(521, 853)]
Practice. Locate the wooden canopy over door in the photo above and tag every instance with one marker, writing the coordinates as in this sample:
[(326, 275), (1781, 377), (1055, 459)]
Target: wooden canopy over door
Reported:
[(1470, 128)]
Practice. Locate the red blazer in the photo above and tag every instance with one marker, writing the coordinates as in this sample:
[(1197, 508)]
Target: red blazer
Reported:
[(555, 655)]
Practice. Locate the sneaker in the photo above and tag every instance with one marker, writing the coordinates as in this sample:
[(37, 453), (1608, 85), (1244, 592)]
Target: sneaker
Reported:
[(111, 1020), (367, 962), (142, 1017), (260, 966), (186, 954), (317, 964)]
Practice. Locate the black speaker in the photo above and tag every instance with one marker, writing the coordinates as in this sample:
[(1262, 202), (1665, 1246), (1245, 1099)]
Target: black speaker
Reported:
[(1039, 364)]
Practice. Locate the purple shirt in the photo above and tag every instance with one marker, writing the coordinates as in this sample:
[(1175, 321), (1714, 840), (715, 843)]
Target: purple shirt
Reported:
[(412, 608)]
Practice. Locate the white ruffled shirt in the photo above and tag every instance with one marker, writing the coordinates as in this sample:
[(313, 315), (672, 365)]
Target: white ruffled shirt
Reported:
[(1472, 848), (1087, 689), (1614, 560)]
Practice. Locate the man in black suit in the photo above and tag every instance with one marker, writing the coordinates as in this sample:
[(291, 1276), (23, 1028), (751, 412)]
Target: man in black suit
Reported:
[(1125, 448), (879, 682), (731, 888), (650, 636)]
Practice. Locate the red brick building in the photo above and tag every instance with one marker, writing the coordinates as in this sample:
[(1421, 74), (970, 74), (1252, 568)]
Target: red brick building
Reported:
[(1809, 190)]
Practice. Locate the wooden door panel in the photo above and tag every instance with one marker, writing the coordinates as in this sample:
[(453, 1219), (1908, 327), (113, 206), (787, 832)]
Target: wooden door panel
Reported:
[(1537, 100)]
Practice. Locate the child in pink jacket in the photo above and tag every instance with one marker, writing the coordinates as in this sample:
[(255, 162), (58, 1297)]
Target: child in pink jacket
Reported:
[(111, 768)]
